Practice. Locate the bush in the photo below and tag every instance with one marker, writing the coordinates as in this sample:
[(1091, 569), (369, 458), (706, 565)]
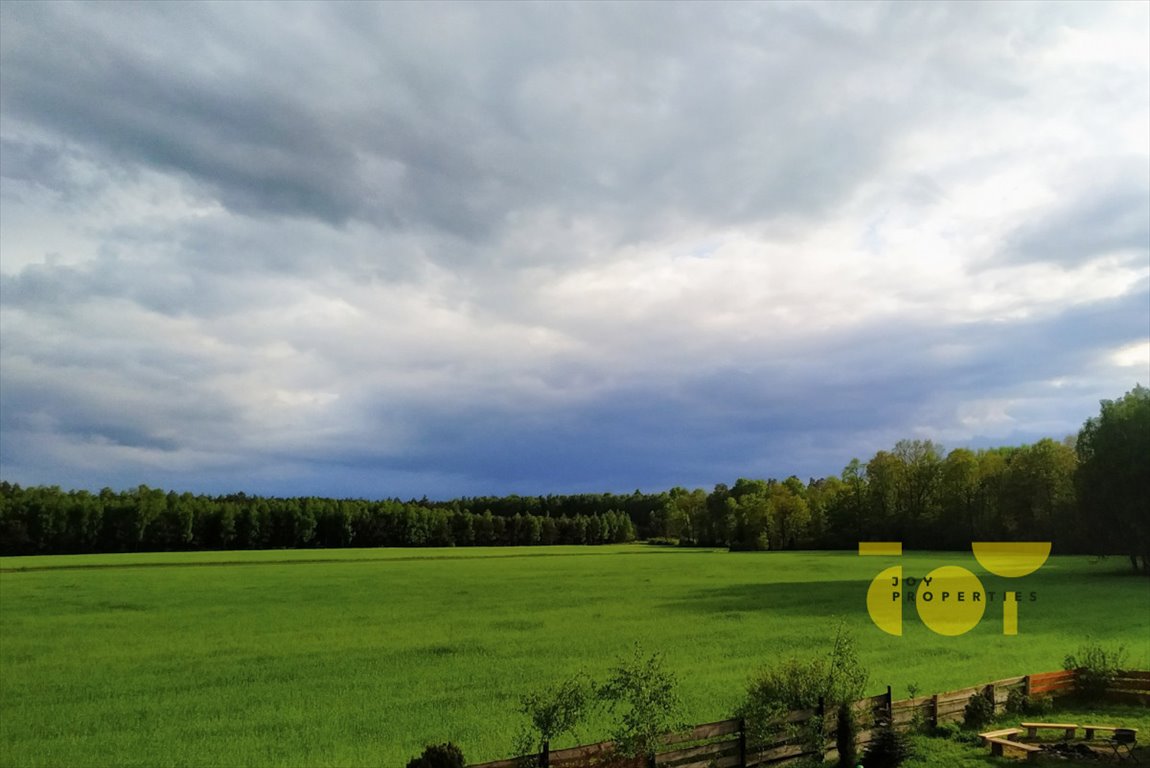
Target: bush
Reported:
[(642, 695), (774, 691), (551, 713), (947, 731), (836, 678), (979, 710), (888, 749), (1097, 667), (954, 732), (1019, 703), (438, 756)]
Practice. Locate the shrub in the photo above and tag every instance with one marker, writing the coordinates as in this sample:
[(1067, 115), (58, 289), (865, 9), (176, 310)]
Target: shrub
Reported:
[(888, 749), (1097, 667), (838, 677), (551, 713), (955, 732), (1019, 703), (847, 677), (438, 756), (948, 731), (917, 718), (642, 695), (774, 691), (979, 710)]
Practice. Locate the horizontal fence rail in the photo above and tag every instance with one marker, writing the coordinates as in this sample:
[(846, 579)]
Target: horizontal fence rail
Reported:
[(723, 744)]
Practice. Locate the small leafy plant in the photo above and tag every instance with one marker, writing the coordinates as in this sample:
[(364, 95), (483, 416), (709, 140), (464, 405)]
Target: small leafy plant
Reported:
[(438, 756), (553, 712), (979, 710), (642, 696), (1096, 667), (1019, 703), (888, 749)]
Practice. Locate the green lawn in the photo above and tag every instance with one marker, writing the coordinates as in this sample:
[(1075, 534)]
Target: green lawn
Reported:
[(359, 657)]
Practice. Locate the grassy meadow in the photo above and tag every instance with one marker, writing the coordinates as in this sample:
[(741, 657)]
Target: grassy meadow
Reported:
[(360, 657)]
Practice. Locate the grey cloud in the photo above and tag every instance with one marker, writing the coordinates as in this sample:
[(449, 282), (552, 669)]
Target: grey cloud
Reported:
[(94, 76), (455, 118), (460, 155), (1106, 211), (806, 415)]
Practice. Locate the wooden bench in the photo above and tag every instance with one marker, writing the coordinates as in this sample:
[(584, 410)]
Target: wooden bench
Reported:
[(1090, 729), (999, 746), (1032, 728), (1005, 733)]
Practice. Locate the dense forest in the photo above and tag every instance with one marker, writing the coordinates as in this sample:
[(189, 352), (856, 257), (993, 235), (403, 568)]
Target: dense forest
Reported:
[(1089, 494)]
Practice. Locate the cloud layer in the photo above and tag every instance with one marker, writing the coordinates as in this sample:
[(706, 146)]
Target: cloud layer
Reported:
[(359, 249)]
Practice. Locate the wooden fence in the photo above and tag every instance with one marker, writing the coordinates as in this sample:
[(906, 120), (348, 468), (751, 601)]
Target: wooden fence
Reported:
[(724, 744)]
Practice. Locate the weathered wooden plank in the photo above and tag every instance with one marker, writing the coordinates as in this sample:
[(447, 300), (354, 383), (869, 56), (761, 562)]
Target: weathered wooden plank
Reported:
[(954, 708), (509, 763), (789, 751), (583, 750), (1130, 684), (728, 761), (952, 717), (1009, 682), (921, 701), (706, 731), (799, 716), (717, 748), (906, 717), (1133, 675), (606, 759), (1052, 684), (964, 694), (1051, 677)]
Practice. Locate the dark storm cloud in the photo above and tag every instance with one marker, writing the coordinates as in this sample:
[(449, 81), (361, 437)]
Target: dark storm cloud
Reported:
[(85, 76), (454, 117), (808, 416), (438, 248)]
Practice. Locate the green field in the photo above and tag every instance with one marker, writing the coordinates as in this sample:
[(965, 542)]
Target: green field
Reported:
[(359, 657)]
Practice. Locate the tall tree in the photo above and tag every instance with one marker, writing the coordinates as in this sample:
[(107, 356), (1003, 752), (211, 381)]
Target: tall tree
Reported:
[(1114, 476)]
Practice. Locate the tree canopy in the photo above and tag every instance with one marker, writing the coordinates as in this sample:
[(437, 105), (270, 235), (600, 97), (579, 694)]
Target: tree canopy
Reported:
[(1114, 477)]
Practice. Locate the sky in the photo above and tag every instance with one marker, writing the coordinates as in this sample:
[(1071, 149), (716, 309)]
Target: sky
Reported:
[(479, 248)]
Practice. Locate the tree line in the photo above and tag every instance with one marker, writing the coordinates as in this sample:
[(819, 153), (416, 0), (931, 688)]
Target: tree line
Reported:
[(1087, 494), (48, 520)]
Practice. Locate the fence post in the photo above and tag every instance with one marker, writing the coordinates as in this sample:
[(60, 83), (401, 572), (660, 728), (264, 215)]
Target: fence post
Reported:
[(545, 755), (650, 760), (742, 743), (822, 715), (934, 711), (889, 707), (993, 694), (1026, 686)]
